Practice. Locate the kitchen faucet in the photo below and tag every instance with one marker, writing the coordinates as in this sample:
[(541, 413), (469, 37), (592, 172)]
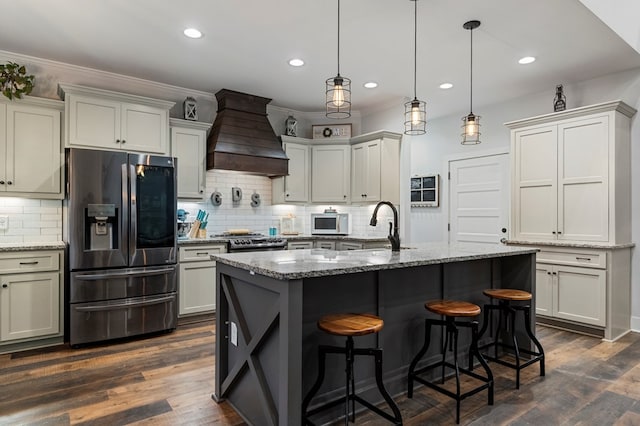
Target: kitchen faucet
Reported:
[(395, 237)]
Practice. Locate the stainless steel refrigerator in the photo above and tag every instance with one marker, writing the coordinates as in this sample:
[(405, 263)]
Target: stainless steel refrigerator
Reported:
[(120, 226)]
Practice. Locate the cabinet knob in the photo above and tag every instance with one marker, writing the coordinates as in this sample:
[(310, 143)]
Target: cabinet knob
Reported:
[(1, 182), (124, 141), (549, 273), (559, 232), (201, 191), (555, 273), (9, 182), (344, 196), (117, 140), (4, 286), (286, 195), (553, 232)]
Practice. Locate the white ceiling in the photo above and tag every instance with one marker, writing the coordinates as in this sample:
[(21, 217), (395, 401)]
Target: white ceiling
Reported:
[(247, 44)]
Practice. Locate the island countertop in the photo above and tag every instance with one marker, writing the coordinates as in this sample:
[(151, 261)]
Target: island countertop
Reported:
[(297, 264)]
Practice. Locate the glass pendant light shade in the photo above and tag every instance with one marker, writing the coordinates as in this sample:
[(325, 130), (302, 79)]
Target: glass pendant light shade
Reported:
[(338, 99), (415, 117), (338, 91), (471, 129), (415, 111), (471, 122)]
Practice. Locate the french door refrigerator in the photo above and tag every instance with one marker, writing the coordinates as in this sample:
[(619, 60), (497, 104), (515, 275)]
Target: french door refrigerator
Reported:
[(120, 226)]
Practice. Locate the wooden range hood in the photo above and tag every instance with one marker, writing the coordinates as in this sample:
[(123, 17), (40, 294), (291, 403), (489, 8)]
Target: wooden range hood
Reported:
[(242, 138)]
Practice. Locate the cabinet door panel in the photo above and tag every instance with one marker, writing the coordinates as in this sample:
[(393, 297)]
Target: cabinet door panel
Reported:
[(29, 305), (544, 290), (331, 176), (535, 186), (144, 128), (583, 204), (580, 295), (94, 122), (3, 145), (34, 157), (197, 287), (296, 184), (188, 146)]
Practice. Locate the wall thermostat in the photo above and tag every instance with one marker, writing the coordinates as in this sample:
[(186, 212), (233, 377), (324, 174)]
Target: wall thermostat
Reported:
[(425, 191)]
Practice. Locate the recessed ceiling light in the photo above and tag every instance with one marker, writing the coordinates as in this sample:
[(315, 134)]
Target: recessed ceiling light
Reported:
[(192, 33), (526, 60), (446, 86), (296, 62), (370, 84)]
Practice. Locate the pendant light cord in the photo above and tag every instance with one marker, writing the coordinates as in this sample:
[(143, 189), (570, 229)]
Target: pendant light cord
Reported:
[(338, 37), (415, 48), (471, 75)]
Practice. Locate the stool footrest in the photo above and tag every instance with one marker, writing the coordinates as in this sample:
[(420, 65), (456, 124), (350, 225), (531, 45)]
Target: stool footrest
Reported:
[(487, 381)]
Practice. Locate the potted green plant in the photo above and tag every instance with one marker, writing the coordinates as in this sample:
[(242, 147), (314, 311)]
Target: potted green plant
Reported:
[(14, 81)]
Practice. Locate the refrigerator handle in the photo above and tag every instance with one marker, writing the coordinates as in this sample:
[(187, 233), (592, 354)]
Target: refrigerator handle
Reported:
[(124, 217), (125, 304), (133, 214)]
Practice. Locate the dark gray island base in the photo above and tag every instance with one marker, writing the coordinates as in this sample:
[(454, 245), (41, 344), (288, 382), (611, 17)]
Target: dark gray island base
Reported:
[(268, 304)]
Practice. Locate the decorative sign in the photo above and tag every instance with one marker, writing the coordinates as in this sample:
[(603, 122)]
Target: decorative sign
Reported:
[(331, 131), (425, 191)]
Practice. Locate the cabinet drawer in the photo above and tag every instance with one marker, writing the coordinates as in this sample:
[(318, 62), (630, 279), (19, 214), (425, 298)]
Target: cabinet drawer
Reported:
[(300, 245), (36, 261), (587, 259), (200, 253)]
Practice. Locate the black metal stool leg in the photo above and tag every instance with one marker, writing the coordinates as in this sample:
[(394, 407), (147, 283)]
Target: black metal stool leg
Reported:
[(454, 332), (444, 348), (527, 327), (418, 357), (349, 373), (474, 350), (322, 354), (511, 314), (396, 411)]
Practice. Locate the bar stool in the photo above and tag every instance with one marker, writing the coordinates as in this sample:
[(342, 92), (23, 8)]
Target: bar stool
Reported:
[(350, 325), (507, 320), (452, 309)]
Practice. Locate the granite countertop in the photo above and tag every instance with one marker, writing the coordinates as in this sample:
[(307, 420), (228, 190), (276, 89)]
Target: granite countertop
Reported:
[(54, 245), (355, 238), (296, 264), (300, 237), (571, 245)]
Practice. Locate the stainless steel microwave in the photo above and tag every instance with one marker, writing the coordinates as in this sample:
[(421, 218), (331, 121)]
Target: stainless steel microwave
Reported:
[(330, 224)]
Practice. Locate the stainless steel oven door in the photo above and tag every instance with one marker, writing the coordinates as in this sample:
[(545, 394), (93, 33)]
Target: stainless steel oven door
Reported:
[(153, 227)]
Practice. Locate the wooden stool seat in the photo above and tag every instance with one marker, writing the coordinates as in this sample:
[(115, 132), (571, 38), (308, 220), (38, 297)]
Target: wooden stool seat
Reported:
[(350, 324), (453, 308), (507, 294)]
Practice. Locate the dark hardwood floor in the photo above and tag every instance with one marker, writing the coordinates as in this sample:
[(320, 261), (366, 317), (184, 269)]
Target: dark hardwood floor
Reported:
[(168, 380)]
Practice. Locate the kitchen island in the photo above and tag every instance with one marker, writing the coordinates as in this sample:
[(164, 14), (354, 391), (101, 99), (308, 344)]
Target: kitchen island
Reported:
[(269, 302)]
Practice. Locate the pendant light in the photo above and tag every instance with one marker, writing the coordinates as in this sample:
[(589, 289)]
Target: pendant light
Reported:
[(338, 92), (471, 122), (415, 111)]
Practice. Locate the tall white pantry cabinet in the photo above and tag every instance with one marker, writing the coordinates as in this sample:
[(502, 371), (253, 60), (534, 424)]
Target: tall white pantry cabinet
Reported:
[(571, 198)]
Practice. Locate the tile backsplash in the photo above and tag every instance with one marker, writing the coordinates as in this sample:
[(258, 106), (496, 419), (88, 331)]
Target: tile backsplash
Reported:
[(258, 219), (31, 221)]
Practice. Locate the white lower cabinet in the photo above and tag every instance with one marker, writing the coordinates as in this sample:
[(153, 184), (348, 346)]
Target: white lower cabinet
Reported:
[(571, 293), (349, 245), (328, 245), (585, 287), (30, 295), (197, 280)]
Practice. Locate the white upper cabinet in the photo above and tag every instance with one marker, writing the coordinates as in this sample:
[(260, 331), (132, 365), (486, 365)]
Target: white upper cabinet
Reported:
[(294, 188), (571, 175), (101, 119), (31, 157), (375, 168), (188, 145), (330, 173)]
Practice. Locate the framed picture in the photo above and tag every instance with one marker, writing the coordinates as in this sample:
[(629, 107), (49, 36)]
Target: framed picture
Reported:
[(331, 131), (425, 191)]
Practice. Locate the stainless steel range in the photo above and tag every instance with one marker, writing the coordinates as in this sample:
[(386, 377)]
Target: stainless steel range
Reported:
[(255, 242)]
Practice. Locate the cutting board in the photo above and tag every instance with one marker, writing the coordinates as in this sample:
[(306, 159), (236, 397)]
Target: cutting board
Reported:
[(239, 231)]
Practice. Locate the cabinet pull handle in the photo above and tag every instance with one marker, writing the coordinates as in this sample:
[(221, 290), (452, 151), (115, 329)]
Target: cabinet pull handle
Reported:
[(588, 259), (553, 232), (35, 262), (202, 253), (555, 273), (559, 232)]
